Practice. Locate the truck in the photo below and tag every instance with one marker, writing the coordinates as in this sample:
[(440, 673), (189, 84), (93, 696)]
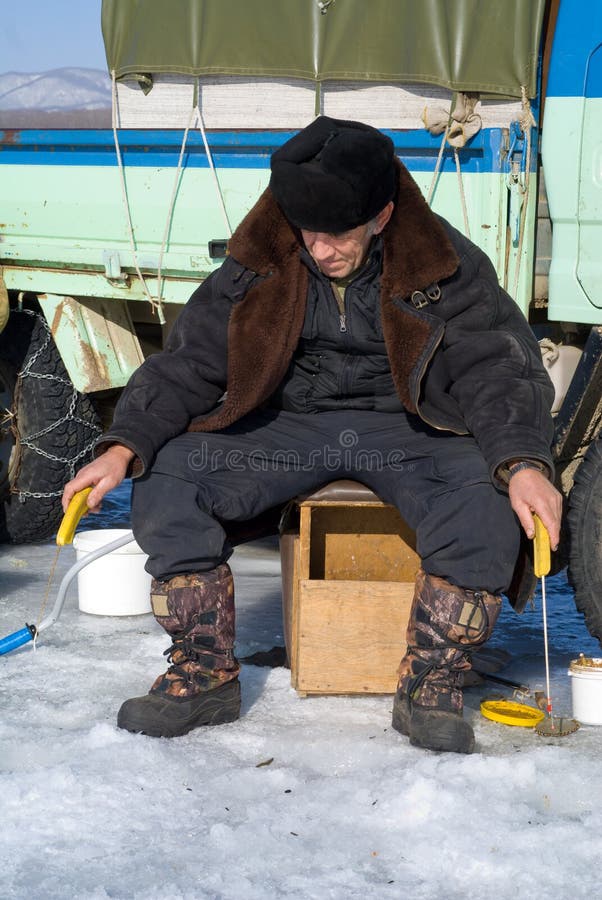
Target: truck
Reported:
[(494, 107)]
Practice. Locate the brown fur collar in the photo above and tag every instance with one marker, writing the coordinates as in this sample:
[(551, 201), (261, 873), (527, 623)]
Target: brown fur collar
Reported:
[(266, 326)]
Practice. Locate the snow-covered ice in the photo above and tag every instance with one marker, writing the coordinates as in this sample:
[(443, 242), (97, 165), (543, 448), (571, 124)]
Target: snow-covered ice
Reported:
[(344, 809)]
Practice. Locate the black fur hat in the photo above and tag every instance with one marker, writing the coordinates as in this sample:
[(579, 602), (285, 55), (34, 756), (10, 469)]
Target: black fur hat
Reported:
[(333, 175)]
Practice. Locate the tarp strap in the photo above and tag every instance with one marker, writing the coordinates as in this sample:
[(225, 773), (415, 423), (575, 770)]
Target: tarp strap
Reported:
[(526, 122), (172, 203), (435, 177), (156, 304), (195, 119), (462, 193), (201, 125)]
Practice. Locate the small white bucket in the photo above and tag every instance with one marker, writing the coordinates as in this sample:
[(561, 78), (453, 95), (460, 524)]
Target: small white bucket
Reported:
[(586, 688), (115, 584)]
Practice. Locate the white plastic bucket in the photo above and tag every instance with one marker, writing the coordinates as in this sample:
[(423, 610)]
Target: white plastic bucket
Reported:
[(586, 688), (115, 584)]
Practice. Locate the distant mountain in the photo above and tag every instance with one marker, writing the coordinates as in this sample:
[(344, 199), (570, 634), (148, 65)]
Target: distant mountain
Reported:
[(63, 89), (62, 98)]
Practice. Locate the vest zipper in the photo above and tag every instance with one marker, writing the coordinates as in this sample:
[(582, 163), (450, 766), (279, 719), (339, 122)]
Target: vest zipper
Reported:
[(340, 301)]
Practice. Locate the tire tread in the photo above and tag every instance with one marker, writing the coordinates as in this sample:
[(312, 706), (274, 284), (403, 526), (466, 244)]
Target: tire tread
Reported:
[(40, 402), (584, 524)]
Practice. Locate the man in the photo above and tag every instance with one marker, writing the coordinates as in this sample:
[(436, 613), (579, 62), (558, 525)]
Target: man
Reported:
[(344, 304)]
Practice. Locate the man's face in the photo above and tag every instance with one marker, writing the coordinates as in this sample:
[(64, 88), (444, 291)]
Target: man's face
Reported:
[(338, 255)]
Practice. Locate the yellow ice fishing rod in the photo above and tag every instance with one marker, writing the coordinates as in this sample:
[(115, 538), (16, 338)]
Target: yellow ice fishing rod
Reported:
[(541, 567), (542, 557), (78, 506), (549, 726), (510, 713)]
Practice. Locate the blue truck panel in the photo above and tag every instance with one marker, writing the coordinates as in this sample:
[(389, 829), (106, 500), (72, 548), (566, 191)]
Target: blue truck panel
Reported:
[(229, 149)]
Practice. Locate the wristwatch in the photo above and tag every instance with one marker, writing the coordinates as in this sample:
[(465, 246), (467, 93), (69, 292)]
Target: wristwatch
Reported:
[(507, 469)]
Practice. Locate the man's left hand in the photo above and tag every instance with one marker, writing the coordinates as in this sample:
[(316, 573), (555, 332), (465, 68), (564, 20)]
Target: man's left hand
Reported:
[(531, 492)]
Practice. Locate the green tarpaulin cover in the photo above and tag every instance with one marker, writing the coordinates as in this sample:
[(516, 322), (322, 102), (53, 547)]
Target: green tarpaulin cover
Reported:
[(486, 46)]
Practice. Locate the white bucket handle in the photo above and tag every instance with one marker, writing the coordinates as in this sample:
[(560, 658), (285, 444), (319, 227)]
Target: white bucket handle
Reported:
[(55, 612)]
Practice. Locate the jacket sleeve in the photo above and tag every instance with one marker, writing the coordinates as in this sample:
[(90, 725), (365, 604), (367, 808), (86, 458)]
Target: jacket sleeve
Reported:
[(495, 368), (185, 380)]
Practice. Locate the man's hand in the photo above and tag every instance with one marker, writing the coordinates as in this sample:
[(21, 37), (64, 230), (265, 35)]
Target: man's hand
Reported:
[(103, 474), (531, 492)]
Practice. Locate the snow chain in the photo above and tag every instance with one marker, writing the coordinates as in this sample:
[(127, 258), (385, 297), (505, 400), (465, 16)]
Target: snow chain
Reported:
[(29, 441)]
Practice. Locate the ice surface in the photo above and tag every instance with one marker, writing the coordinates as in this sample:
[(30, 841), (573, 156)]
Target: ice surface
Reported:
[(346, 809)]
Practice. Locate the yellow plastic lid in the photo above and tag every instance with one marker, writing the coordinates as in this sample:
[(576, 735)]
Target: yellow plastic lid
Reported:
[(508, 712)]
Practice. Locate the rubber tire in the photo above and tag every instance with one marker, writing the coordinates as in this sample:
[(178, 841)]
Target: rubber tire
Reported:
[(35, 404), (584, 525)]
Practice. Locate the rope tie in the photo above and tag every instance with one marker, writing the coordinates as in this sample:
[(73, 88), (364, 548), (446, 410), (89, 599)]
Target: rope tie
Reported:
[(156, 304), (462, 193), (431, 190), (172, 203), (201, 125), (549, 351), (526, 121), (458, 125), (195, 119)]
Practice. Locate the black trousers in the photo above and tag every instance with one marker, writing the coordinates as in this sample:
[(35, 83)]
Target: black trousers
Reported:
[(465, 528)]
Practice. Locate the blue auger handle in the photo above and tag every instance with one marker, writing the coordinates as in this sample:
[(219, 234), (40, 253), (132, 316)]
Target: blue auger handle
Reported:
[(17, 638)]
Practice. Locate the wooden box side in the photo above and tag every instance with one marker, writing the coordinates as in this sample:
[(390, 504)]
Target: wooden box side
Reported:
[(349, 636)]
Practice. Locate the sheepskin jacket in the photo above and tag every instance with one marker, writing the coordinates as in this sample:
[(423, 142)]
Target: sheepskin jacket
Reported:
[(462, 355)]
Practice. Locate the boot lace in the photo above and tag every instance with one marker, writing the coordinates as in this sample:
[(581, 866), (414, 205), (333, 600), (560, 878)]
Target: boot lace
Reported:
[(462, 653), (183, 656)]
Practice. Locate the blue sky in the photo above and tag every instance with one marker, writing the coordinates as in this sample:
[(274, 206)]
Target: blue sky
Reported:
[(39, 35)]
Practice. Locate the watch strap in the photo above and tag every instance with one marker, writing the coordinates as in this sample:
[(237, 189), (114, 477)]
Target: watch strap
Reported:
[(507, 470)]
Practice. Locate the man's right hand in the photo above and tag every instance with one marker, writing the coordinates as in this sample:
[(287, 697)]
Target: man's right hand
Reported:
[(103, 474)]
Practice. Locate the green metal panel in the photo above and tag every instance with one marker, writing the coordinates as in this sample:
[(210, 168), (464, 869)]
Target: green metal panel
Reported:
[(64, 281), (60, 231), (95, 338), (489, 46), (589, 268), (56, 245), (567, 175), (72, 217)]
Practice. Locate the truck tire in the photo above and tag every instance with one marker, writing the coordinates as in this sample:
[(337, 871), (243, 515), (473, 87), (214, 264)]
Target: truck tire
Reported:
[(47, 429), (584, 521)]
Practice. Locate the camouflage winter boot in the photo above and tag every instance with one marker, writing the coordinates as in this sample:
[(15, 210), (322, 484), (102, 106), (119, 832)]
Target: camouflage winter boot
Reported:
[(201, 685), (446, 623)]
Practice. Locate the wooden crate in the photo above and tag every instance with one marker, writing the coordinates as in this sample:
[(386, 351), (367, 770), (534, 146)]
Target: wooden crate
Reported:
[(354, 565)]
